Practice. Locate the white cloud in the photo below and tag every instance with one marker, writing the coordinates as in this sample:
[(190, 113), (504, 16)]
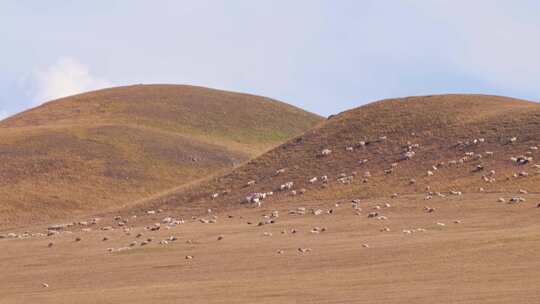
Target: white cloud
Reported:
[(66, 77), (3, 114)]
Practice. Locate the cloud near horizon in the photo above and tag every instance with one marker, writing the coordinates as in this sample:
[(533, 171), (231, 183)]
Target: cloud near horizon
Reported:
[(322, 56), (66, 77)]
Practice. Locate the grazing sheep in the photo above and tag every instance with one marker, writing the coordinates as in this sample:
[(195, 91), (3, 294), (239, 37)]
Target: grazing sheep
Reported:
[(317, 212), (313, 180), (44, 285), (365, 245), (280, 252), (304, 250), (50, 244), (408, 155), (373, 214), (349, 149), (286, 186), (215, 195), (429, 173), (516, 199), (189, 257), (282, 170), (326, 152), (250, 183)]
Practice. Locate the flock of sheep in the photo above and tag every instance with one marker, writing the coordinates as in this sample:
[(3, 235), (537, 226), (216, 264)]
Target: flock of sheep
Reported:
[(145, 236)]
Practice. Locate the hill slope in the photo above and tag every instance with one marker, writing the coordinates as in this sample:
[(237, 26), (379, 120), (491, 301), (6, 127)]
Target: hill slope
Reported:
[(460, 139), (103, 149)]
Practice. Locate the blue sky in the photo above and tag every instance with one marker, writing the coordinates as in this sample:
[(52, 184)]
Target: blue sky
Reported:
[(323, 56)]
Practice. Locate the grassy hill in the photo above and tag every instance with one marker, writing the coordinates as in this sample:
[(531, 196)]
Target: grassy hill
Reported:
[(460, 139), (104, 149)]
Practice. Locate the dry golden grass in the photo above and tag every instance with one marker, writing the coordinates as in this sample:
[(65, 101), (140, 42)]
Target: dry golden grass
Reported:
[(436, 123), (490, 257), (102, 150)]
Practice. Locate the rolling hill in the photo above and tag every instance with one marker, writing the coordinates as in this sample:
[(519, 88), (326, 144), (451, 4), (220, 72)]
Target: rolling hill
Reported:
[(430, 144), (104, 149)]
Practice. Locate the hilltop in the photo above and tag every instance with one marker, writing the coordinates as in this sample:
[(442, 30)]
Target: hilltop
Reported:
[(104, 149), (455, 143)]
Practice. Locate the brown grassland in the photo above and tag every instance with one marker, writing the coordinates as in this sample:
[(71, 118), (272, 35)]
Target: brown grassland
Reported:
[(425, 244)]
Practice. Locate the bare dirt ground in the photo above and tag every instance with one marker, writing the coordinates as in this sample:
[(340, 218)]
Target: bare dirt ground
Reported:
[(486, 252)]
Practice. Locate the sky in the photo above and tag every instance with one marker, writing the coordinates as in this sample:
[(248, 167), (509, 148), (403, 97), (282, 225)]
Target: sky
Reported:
[(322, 56)]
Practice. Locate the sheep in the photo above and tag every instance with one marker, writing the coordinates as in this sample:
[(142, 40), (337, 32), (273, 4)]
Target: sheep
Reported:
[(286, 186), (385, 229), (250, 183), (256, 198), (317, 212), (282, 170), (50, 244), (516, 199), (324, 179), (326, 152), (501, 200), (429, 173), (349, 149), (313, 180), (365, 245), (513, 140), (538, 206), (429, 209), (373, 214), (408, 155), (44, 285), (304, 250), (280, 251), (189, 257), (215, 195)]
